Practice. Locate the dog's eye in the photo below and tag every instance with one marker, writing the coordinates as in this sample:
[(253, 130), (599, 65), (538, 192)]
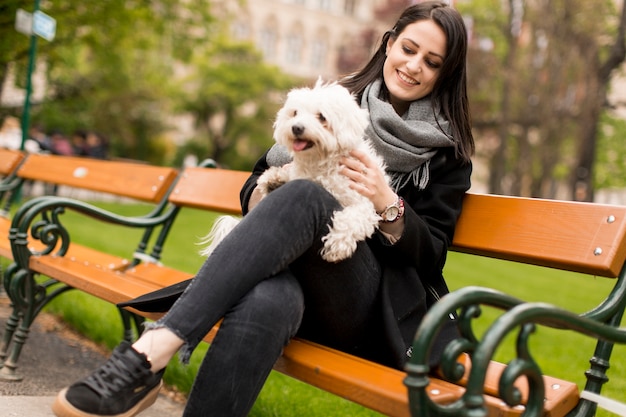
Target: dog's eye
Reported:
[(295, 113), (321, 117)]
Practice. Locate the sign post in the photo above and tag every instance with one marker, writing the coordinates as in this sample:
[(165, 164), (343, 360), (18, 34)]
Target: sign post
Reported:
[(37, 24)]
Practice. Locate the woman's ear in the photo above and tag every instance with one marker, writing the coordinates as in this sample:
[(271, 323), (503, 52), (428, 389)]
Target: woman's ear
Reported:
[(390, 42)]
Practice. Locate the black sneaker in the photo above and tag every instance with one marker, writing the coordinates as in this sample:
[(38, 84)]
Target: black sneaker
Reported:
[(122, 387)]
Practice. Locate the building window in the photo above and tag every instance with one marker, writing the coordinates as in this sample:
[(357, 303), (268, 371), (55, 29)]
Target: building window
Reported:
[(324, 5), (268, 43), (294, 49), (349, 7), (319, 51)]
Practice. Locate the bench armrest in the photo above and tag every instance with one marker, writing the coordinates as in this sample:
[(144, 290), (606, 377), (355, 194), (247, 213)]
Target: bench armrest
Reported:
[(40, 219), (466, 302), (518, 317)]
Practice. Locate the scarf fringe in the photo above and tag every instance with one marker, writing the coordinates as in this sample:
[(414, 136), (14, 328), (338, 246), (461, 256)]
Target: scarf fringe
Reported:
[(419, 176)]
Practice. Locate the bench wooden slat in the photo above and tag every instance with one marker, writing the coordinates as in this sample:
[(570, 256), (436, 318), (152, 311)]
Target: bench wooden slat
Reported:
[(128, 179), (98, 280), (488, 224), (210, 188), (5, 245), (9, 160)]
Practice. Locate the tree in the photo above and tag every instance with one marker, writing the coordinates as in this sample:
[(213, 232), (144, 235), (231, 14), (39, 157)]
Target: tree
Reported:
[(111, 63), (232, 95), (14, 46), (538, 89), (596, 90)]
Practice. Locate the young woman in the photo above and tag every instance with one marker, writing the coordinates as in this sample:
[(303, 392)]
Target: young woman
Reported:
[(267, 279)]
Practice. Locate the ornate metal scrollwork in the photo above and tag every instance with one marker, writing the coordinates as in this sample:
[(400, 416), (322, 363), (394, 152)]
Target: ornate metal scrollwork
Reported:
[(49, 230)]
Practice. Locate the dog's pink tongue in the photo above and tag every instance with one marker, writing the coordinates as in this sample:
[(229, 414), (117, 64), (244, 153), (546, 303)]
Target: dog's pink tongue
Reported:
[(300, 145)]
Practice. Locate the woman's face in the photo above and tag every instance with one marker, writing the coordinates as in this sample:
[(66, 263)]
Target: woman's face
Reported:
[(414, 61)]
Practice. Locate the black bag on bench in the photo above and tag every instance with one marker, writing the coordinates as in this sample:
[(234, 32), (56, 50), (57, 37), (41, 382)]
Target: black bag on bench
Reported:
[(159, 301)]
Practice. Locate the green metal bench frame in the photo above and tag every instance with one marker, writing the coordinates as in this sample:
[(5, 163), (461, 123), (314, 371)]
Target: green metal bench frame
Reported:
[(580, 237)]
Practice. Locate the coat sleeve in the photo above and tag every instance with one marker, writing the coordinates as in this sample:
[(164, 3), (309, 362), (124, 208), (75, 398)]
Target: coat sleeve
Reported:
[(250, 184), (430, 216)]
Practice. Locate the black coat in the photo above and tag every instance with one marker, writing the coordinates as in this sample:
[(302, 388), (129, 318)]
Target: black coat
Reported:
[(412, 267)]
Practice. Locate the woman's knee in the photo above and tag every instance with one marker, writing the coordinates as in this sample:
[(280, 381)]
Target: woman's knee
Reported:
[(276, 304)]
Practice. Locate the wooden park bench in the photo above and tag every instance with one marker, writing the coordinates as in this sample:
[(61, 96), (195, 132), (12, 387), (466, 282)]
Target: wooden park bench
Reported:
[(136, 181), (561, 235)]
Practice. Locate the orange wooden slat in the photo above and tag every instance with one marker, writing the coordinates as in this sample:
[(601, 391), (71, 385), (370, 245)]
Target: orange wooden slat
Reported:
[(5, 244), (210, 189), (139, 181), (93, 278), (159, 275), (582, 237), (9, 160)]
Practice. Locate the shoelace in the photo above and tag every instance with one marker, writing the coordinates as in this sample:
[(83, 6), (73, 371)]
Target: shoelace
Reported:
[(115, 375)]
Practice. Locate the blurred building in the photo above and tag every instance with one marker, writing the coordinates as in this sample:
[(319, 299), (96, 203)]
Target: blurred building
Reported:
[(308, 38)]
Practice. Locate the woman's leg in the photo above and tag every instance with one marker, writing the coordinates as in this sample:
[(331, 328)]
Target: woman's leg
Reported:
[(287, 224), (250, 339)]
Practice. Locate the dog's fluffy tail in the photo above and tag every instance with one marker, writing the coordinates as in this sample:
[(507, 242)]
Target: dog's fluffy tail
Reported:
[(222, 226)]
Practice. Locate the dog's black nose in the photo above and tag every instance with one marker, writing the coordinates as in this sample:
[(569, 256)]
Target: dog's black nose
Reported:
[(297, 129)]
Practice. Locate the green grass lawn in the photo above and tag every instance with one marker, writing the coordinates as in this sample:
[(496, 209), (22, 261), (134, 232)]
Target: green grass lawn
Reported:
[(562, 354)]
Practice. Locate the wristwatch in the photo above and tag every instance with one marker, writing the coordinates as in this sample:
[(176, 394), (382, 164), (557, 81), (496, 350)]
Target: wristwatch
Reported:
[(393, 212)]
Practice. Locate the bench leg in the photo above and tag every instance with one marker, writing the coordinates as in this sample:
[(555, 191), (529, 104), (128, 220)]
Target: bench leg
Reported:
[(8, 371), (27, 298), (9, 330), (129, 320)]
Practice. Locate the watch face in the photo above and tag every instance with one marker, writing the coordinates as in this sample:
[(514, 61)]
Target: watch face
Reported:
[(391, 213)]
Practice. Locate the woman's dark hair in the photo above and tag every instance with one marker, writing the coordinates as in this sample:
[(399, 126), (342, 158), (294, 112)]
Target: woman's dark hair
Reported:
[(449, 96)]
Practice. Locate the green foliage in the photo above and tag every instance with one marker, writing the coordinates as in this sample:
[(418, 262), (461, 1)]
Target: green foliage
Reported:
[(110, 68), (232, 95), (115, 67), (536, 84), (610, 154), (118, 78)]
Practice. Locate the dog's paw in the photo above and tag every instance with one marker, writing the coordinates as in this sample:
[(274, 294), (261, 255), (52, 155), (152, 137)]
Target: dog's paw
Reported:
[(337, 247), (270, 180)]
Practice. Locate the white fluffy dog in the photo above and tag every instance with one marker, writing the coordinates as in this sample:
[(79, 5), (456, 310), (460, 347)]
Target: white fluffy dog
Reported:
[(318, 126)]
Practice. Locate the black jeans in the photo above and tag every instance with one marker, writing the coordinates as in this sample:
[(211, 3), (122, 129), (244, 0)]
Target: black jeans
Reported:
[(268, 282)]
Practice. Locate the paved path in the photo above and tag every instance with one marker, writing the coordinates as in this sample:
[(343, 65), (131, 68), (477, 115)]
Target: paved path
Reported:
[(53, 358)]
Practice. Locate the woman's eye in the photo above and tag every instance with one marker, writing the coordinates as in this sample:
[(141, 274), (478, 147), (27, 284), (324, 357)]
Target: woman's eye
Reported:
[(407, 50)]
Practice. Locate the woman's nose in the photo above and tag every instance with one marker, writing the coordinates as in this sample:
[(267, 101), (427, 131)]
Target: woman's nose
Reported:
[(415, 65)]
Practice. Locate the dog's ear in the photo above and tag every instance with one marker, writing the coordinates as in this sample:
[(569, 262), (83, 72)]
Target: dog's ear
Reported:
[(350, 128), (348, 119)]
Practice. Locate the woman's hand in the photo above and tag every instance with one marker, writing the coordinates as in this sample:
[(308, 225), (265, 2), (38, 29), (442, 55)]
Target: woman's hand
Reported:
[(368, 180)]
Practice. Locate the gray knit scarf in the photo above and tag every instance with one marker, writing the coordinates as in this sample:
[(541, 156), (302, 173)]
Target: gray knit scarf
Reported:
[(406, 143)]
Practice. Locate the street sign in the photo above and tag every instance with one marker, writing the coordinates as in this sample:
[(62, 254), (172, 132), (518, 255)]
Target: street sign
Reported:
[(24, 22), (44, 25)]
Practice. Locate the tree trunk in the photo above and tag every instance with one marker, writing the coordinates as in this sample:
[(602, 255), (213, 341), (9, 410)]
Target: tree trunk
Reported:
[(497, 162), (582, 186)]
